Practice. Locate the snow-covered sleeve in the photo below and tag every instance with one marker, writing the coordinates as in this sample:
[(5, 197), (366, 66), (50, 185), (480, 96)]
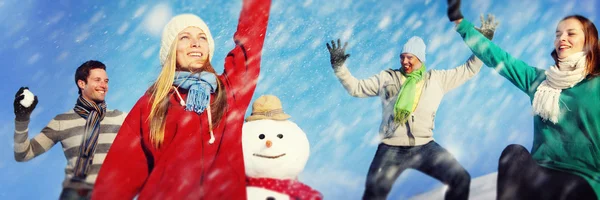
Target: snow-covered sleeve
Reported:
[(452, 78), (126, 166), (242, 64), (360, 88)]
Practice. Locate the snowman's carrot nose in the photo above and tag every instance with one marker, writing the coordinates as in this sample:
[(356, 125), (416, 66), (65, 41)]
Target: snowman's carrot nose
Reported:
[(269, 144)]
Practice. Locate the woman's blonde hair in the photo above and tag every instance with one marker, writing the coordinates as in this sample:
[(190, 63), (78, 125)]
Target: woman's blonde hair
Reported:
[(160, 92)]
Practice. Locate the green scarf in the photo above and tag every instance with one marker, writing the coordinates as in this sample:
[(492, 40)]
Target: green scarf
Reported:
[(406, 96)]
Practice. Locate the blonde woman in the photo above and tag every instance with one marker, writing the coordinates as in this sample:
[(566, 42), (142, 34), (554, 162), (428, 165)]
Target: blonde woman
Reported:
[(182, 139)]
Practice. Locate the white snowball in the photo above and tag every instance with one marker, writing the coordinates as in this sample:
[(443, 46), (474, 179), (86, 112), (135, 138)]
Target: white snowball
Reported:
[(28, 100)]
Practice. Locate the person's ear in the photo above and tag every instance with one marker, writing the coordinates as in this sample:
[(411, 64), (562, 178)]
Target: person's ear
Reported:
[(81, 84)]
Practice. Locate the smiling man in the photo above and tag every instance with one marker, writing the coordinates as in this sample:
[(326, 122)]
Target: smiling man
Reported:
[(86, 132), (410, 97)]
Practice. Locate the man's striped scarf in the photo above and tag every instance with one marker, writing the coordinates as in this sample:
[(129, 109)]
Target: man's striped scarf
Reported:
[(94, 114)]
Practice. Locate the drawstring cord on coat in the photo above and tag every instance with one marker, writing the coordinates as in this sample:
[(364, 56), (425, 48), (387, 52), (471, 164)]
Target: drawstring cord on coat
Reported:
[(210, 128)]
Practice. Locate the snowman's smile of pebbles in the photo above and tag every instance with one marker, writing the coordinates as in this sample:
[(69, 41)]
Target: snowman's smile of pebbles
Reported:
[(269, 157)]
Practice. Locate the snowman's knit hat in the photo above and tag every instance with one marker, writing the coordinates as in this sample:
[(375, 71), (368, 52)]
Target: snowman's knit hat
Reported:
[(267, 107)]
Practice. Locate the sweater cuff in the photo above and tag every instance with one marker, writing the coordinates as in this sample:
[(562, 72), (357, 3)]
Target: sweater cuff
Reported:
[(341, 71), (21, 125), (463, 27)]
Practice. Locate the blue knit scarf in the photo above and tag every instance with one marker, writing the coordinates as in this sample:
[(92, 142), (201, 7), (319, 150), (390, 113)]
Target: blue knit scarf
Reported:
[(199, 86)]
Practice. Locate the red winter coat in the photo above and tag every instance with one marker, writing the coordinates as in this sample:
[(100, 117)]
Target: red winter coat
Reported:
[(187, 166)]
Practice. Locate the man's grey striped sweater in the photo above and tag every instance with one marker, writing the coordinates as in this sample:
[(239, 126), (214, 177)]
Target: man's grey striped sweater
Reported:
[(68, 128)]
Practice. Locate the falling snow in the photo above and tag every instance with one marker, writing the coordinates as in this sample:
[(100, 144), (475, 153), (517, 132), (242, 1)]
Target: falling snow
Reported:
[(44, 42)]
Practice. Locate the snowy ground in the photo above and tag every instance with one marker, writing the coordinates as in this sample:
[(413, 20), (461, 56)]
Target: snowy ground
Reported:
[(483, 187)]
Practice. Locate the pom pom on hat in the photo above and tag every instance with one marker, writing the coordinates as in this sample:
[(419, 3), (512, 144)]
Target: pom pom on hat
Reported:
[(176, 25)]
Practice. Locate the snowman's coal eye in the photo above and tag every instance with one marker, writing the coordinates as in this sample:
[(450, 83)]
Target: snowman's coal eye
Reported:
[(261, 136), (280, 136)]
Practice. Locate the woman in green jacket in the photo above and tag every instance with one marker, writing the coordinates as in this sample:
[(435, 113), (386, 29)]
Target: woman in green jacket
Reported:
[(565, 158)]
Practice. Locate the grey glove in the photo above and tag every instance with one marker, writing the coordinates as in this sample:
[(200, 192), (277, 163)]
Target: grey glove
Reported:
[(488, 26), (338, 53)]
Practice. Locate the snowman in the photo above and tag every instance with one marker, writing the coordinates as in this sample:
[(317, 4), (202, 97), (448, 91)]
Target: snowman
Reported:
[(275, 152)]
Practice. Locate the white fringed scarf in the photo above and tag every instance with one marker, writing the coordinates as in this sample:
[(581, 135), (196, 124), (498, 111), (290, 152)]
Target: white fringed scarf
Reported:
[(546, 99)]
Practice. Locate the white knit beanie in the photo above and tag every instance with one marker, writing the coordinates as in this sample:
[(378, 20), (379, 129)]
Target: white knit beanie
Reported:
[(415, 46), (176, 25)]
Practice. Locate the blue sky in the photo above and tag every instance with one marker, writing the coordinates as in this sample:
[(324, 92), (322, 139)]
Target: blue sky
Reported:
[(43, 42)]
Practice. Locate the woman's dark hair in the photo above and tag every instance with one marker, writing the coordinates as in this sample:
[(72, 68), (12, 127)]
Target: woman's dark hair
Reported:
[(590, 46)]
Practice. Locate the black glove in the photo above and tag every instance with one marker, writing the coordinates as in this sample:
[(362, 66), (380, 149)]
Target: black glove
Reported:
[(338, 53), (488, 26), (22, 113), (454, 10)]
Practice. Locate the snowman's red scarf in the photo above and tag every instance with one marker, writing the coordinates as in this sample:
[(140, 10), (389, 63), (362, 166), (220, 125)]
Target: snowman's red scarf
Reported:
[(295, 189)]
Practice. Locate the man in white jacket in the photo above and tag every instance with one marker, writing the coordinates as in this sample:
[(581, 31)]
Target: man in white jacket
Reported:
[(410, 97)]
